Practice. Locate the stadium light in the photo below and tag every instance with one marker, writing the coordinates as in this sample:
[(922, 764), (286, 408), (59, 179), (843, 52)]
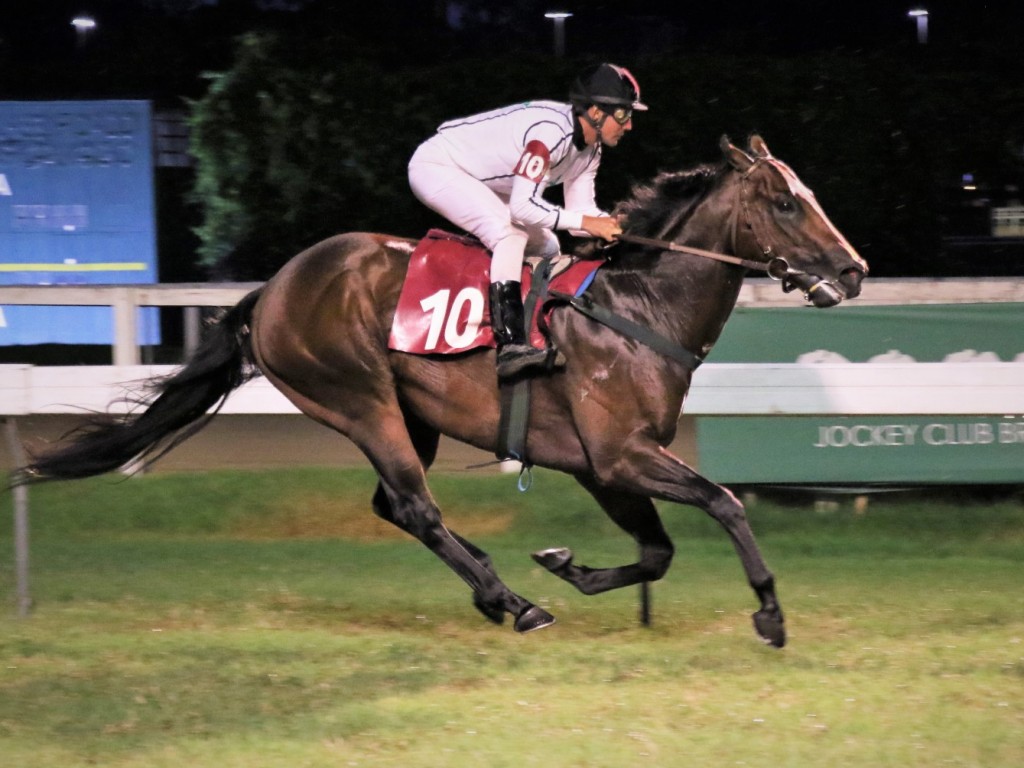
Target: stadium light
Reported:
[(921, 16), (83, 25), (558, 18)]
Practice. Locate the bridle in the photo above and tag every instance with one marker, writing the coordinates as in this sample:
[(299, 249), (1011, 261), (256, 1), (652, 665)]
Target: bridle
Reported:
[(817, 290)]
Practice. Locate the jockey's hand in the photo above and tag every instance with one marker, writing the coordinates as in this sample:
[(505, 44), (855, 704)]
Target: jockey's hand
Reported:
[(604, 227)]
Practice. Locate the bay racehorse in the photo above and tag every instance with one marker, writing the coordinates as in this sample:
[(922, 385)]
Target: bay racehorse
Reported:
[(319, 329)]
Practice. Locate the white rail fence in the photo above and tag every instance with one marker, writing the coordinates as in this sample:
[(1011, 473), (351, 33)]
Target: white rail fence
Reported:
[(124, 300), (719, 389)]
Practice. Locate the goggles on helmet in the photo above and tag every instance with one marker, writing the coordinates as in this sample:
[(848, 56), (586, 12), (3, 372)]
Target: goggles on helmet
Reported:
[(620, 115)]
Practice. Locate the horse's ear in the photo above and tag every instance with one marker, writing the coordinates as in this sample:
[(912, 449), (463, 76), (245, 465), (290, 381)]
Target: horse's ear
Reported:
[(737, 158), (759, 147)]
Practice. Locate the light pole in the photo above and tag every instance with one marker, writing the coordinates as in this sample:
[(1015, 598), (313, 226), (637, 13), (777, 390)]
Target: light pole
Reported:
[(83, 26), (921, 16), (558, 17)]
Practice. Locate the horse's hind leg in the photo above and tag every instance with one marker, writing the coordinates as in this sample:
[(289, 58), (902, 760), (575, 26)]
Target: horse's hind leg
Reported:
[(425, 441), (404, 498), (637, 516), (398, 456)]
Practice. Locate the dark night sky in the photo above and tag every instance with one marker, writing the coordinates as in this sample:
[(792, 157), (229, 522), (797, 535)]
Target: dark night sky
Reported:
[(39, 30), (158, 49)]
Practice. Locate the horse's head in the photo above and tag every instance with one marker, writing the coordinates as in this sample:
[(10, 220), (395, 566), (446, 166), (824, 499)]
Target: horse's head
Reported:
[(779, 217)]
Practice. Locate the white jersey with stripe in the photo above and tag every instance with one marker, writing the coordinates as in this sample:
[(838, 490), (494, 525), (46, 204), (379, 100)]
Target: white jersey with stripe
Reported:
[(498, 148)]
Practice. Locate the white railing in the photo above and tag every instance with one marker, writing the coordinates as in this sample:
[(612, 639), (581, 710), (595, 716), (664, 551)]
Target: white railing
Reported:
[(718, 389), (124, 300)]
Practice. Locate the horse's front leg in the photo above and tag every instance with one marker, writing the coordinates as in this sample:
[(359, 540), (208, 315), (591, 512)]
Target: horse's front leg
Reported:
[(637, 516), (650, 469)]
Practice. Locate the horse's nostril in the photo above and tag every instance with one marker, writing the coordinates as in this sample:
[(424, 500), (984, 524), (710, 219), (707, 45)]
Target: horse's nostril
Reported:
[(850, 281)]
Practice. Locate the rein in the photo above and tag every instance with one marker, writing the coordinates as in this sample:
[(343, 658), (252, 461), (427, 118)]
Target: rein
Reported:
[(776, 268), (670, 246)]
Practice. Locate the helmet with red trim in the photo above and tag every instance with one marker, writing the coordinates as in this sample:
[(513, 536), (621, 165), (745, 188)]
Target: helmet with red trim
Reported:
[(606, 85)]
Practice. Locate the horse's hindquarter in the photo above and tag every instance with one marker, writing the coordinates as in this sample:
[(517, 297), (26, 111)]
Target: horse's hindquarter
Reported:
[(321, 326)]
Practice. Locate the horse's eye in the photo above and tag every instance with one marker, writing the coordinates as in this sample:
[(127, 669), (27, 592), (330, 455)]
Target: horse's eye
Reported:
[(786, 205)]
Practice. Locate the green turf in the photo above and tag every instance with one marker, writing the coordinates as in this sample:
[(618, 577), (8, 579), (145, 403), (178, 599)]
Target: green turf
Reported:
[(262, 619)]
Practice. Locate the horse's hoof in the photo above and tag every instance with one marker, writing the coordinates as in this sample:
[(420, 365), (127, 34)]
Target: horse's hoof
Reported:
[(770, 628), (533, 618), (554, 558), (493, 611)]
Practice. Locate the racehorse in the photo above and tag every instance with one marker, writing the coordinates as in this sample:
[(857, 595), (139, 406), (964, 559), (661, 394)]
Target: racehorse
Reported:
[(318, 330)]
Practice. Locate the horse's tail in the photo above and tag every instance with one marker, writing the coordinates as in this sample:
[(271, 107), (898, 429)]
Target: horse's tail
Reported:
[(173, 409)]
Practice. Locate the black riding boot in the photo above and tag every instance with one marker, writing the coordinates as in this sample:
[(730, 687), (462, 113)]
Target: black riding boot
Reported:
[(515, 354)]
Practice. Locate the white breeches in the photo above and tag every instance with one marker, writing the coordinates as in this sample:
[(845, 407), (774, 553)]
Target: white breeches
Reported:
[(470, 204)]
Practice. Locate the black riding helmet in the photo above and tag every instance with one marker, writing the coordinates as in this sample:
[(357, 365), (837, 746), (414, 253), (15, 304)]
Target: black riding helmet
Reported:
[(609, 87)]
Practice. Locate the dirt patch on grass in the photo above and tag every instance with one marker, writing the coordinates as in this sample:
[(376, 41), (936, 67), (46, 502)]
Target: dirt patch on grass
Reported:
[(319, 516)]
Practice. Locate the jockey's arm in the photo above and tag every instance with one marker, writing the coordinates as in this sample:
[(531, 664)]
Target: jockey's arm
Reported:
[(530, 178), (528, 207), (580, 196)]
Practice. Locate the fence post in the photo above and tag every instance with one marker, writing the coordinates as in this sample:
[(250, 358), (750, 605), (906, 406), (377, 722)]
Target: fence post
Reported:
[(126, 345), (193, 330), (20, 493)]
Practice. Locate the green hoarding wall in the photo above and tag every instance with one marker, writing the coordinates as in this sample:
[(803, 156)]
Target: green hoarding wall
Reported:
[(889, 449), (862, 449), (928, 333)]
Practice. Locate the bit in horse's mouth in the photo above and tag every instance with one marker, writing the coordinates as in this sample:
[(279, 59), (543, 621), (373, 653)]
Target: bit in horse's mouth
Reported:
[(815, 288)]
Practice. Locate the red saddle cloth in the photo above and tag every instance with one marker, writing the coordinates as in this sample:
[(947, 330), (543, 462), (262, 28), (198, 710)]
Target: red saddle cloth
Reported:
[(444, 307)]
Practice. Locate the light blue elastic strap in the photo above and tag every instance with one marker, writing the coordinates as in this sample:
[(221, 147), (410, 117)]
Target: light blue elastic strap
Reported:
[(586, 283)]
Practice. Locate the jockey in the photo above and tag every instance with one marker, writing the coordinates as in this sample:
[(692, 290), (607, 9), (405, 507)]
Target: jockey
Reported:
[(487, 173)]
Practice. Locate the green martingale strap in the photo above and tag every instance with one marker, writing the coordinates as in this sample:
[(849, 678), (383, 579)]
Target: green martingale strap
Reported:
[(641, 333), (515, 413), (515, 395)]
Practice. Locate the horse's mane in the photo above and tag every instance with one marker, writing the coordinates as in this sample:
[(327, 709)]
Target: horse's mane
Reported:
[(667, 201)]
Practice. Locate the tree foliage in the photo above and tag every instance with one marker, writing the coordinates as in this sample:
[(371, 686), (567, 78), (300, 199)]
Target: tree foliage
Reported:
[(301, 139)]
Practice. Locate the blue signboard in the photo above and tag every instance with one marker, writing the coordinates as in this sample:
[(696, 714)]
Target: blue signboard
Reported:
[(76, 208)]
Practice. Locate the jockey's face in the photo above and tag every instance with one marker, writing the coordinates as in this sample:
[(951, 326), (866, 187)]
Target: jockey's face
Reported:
[(612, 130)]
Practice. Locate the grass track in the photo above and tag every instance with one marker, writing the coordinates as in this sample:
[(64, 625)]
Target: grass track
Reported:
[(235, 619)]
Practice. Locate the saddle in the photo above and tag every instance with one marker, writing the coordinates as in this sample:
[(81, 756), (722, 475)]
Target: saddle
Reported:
[(443, 308)]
